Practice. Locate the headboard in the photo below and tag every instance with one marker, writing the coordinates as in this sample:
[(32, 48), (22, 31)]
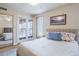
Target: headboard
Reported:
[(65, 30)]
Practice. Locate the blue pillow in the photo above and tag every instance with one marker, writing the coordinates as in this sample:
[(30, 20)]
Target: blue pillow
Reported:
[(54, 36)]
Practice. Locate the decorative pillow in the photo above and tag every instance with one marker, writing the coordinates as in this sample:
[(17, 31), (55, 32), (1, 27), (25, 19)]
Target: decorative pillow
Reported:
[(68, 36), (54, 36)]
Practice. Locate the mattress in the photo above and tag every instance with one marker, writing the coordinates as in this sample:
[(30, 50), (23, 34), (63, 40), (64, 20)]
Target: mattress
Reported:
[(46, 47)]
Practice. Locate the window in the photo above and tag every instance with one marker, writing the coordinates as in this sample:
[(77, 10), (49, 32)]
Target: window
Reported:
[(40, 27), (30, 29), (22, 28)]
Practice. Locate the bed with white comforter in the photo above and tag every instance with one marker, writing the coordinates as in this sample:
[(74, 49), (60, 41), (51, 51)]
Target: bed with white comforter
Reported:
[(46, 47)]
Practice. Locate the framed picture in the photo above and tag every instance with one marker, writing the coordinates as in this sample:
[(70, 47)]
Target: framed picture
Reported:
[(58, 20)]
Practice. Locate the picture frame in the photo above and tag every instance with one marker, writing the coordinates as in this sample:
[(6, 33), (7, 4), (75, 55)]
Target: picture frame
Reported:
[(58, 20)]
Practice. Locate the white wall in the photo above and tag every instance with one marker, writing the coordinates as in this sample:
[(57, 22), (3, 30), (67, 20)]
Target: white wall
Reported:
[(72, 19)]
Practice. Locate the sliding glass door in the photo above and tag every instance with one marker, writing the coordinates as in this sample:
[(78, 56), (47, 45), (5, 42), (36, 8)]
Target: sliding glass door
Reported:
[(30, 29), (39, 25)]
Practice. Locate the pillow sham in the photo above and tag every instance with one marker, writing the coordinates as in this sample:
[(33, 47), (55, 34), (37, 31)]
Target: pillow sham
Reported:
[(68, 36), (54, 36)]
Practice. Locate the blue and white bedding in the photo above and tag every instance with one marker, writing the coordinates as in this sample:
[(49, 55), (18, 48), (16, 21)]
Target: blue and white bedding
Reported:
[(45, 47)]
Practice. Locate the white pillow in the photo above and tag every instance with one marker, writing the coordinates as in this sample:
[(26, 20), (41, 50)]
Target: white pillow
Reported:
[(68, 36)]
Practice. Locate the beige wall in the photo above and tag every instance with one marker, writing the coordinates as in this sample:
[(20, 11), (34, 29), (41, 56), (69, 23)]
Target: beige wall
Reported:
[(72, 20)]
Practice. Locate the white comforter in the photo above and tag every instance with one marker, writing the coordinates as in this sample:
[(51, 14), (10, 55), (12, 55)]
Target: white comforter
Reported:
[(45, 47)]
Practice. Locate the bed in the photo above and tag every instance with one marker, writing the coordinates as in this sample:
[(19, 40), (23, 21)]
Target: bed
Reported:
[(46, 47)]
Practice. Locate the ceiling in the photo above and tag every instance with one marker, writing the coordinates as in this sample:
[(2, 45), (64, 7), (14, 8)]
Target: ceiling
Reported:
[(29, 9)]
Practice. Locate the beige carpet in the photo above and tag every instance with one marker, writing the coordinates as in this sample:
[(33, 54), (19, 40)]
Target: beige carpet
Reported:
[(8, 51)]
